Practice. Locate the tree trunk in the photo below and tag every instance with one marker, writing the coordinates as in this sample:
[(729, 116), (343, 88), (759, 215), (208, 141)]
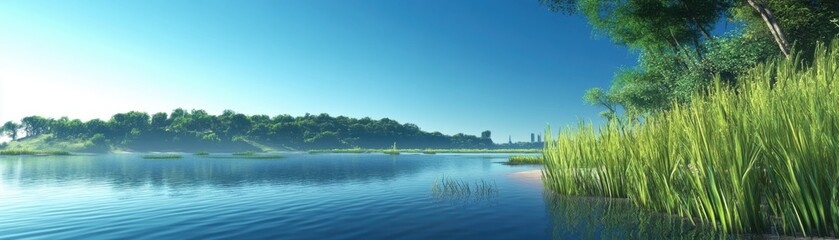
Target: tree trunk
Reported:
[(698, 25), (702, 29), (772, 23)]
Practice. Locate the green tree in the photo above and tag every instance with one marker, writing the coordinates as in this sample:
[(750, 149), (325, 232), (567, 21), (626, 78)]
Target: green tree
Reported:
[(598, 97), (158, 121), (195, 128), (11, 129), (35, 125), (648, 23), (97, 126), (234, 124), (239, 124), (66, 128), (129, 125), (678, 54), (486, 134), (98, 140)]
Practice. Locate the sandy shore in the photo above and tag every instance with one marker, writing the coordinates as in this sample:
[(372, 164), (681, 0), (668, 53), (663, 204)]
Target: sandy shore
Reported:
[(534, 176)]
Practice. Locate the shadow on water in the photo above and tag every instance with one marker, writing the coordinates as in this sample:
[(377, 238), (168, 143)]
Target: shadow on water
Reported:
[(604, 218)]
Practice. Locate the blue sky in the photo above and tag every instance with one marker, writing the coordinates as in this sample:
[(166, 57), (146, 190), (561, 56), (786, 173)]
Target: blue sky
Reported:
[(508, 66)]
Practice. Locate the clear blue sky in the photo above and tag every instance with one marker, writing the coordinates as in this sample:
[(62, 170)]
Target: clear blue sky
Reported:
[(509, 66)]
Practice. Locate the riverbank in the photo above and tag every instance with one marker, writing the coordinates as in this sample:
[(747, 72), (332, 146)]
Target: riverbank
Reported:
[(426, 151), (530, 176), (49, 143)]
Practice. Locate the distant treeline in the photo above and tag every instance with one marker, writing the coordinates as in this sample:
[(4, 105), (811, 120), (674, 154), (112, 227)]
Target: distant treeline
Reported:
[(189, 130)]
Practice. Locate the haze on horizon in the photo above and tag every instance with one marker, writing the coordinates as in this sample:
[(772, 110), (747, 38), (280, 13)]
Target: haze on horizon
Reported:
[(511, 67)]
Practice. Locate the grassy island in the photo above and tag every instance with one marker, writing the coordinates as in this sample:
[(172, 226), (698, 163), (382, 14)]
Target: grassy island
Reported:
[(163, 156), (527, 159), (32, 152)]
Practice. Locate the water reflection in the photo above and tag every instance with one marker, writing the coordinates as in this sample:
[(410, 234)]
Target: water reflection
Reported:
[(303, 196), (129, 171), (604, 218), (326, 196)]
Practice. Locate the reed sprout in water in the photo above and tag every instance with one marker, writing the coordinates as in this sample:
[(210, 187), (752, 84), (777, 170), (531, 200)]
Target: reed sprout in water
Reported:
[(750, 158), (450, 188)]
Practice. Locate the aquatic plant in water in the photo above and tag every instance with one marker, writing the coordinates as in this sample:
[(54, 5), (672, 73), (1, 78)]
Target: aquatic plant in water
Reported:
[(447, 188)]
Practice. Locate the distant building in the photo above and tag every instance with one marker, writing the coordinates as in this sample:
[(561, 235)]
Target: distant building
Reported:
[(510, 139), (539, 138), (532, 137)]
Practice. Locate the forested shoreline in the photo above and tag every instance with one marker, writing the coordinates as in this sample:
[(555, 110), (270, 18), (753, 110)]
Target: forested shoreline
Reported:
[(196, 130)]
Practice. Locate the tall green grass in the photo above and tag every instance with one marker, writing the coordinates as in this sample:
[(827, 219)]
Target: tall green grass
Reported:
[(750, 158), (526, 159)]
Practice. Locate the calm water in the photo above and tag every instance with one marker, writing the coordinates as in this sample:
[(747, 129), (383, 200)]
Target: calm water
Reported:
[(303, 196)]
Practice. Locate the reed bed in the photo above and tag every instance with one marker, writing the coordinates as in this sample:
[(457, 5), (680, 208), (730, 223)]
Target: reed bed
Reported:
[(31, 152), (759, 157), (527, 159)]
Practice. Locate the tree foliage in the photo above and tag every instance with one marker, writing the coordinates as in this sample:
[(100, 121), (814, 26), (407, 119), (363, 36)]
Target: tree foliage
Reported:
[(678, 53), (198, 128), (11, 129)]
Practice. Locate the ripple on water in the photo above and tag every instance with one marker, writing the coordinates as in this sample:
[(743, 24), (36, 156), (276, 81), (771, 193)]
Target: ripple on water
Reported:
[(322, 196)]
